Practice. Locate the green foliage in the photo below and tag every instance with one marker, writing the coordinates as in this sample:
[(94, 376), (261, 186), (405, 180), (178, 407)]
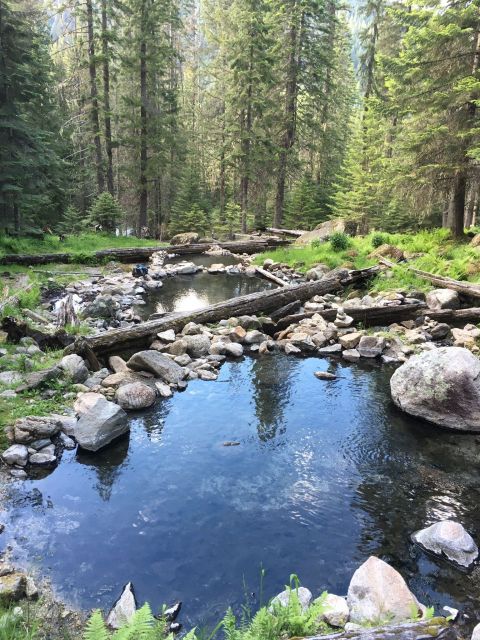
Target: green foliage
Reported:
[(378, 239), (142, 626), (71, 221), (105, 211), (339, 241), (15, 627), (232, 216)]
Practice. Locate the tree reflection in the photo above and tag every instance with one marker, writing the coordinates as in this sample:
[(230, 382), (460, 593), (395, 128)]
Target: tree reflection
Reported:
[(107, 464)]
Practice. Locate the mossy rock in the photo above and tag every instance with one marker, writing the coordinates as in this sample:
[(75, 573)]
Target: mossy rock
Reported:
[(12, 587)]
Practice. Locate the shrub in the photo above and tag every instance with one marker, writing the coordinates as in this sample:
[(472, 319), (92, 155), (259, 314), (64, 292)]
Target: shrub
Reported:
[(105, 211), (339, 241), (377, 240)]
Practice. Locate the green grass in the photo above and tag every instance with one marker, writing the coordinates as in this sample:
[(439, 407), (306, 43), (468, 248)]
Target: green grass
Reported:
[(433, 251), (16, 627), (79, 245)]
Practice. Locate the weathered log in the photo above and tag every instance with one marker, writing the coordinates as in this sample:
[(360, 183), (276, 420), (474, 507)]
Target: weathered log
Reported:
[(287, 310), (466, 288), (286, 232), (418, 630), (140, 254), (15, 330), (270, 276), (261, 302)]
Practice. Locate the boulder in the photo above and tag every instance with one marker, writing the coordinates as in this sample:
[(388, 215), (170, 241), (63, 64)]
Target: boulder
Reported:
[(324, 230), (443, 299), (189, 237), (16, 454), (387, 251), (117, 364), (197, 345), (283, 599), (135, 395), (317, 272), (476, 629), (26, 430), (350, 340), (371, 346), (448, 538), (441, 386), (377, 593), (335, 610), (233, 349), (104, 306), (38, 378), (100, 424), (10, 377), (166, 336), (12, 587), (123, 609), (74, 366), (351, 355), (158, 364), (44, 458)]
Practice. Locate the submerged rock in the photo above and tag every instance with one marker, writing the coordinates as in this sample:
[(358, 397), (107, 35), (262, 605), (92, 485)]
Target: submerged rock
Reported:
[(158, 364), (123, 609), (441, 386), (377, 593), (448, 538), (100, 424), (135, 395)]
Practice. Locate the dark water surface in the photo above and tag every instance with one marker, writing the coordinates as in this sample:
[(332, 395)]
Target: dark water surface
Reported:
[(326, 474)]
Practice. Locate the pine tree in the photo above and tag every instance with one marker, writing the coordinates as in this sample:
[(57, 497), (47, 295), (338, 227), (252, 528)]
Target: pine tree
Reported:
[(105, 211)]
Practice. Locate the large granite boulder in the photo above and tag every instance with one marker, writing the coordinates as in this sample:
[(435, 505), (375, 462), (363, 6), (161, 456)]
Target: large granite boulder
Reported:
[(325, 229), (441, 386), (189, 237), (377, 593), (158, 364), (135, 395), (123, 609), (197, 345), (100, 423), (74, 366), (450, 539)]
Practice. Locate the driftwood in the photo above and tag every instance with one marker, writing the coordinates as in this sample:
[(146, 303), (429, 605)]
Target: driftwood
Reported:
[(466, 288), (66, 313), (269, 276), (286, 232), (142, 334), (418, 630), (141, 254), (15, 330)]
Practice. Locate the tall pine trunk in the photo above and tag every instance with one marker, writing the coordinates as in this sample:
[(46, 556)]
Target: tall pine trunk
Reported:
[(106, 98), (288, 138), (142, 216), (92, 70)]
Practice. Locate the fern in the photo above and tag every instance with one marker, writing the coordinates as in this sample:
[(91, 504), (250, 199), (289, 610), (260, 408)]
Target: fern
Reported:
[(142, 626), (96, 628)]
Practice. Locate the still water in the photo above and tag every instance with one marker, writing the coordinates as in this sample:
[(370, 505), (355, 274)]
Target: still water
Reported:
[(326, 473)]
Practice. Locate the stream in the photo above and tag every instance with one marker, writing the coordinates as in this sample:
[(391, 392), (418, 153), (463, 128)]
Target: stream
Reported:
[(324, 475)]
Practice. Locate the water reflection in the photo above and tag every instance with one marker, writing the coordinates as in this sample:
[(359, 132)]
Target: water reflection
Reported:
[(326, 474)]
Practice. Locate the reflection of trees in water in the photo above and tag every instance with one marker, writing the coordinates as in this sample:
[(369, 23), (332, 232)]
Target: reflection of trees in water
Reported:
[(107, 463), (271, 380)]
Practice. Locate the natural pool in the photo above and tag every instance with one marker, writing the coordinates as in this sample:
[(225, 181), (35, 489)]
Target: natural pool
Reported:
[(326, 474)]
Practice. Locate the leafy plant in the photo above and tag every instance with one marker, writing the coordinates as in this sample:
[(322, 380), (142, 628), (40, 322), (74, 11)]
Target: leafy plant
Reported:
[(339, 241), (377, 240)]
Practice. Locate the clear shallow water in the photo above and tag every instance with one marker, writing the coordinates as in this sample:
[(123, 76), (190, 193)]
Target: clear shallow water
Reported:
[(189, 293), (326, 474)]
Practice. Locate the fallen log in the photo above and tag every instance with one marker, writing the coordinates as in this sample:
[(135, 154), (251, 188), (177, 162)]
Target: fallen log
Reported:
[(141, 254), (437, 627), (466, 288), (36, 317), (269, 276), (286, 232), (15, 330), (142, 334)]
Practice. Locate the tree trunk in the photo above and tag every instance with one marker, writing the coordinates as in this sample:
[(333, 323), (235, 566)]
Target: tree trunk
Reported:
[(142, 217), (288, 139), (106, 98), (457, 205), (92, 70)]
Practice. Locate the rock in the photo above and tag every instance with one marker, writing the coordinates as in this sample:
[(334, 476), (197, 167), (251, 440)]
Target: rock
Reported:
[(100, 424), (123, 609), (16, 454), (31, 590), (189, 237), (233, 349), (67, 423), (177, 348), (462, 338), (104, 306), (317, 272), (324, 230), (158, 364), (350, 340), (117, 364), (197, 345), (116, 379), (183, 360), (387, 251), (351, 355), (325, 375), (439, 331), (476, 629), (331, 350), (342, 320), (135, 395), (283, 598), (291, 349), (443, 299), (26, 430), (38, 378), (74, 366), (12, 587), (440, 386), (191, 329), (19, 474), (163, 389), (449, 538), (378, 594), (44, 458), (335, 610), (371, 346), (10, 377), (254, 337), (167, 336), (8, 393), (66, 441)]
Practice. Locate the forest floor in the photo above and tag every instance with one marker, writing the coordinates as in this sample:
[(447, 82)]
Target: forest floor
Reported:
[(434, 251)]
